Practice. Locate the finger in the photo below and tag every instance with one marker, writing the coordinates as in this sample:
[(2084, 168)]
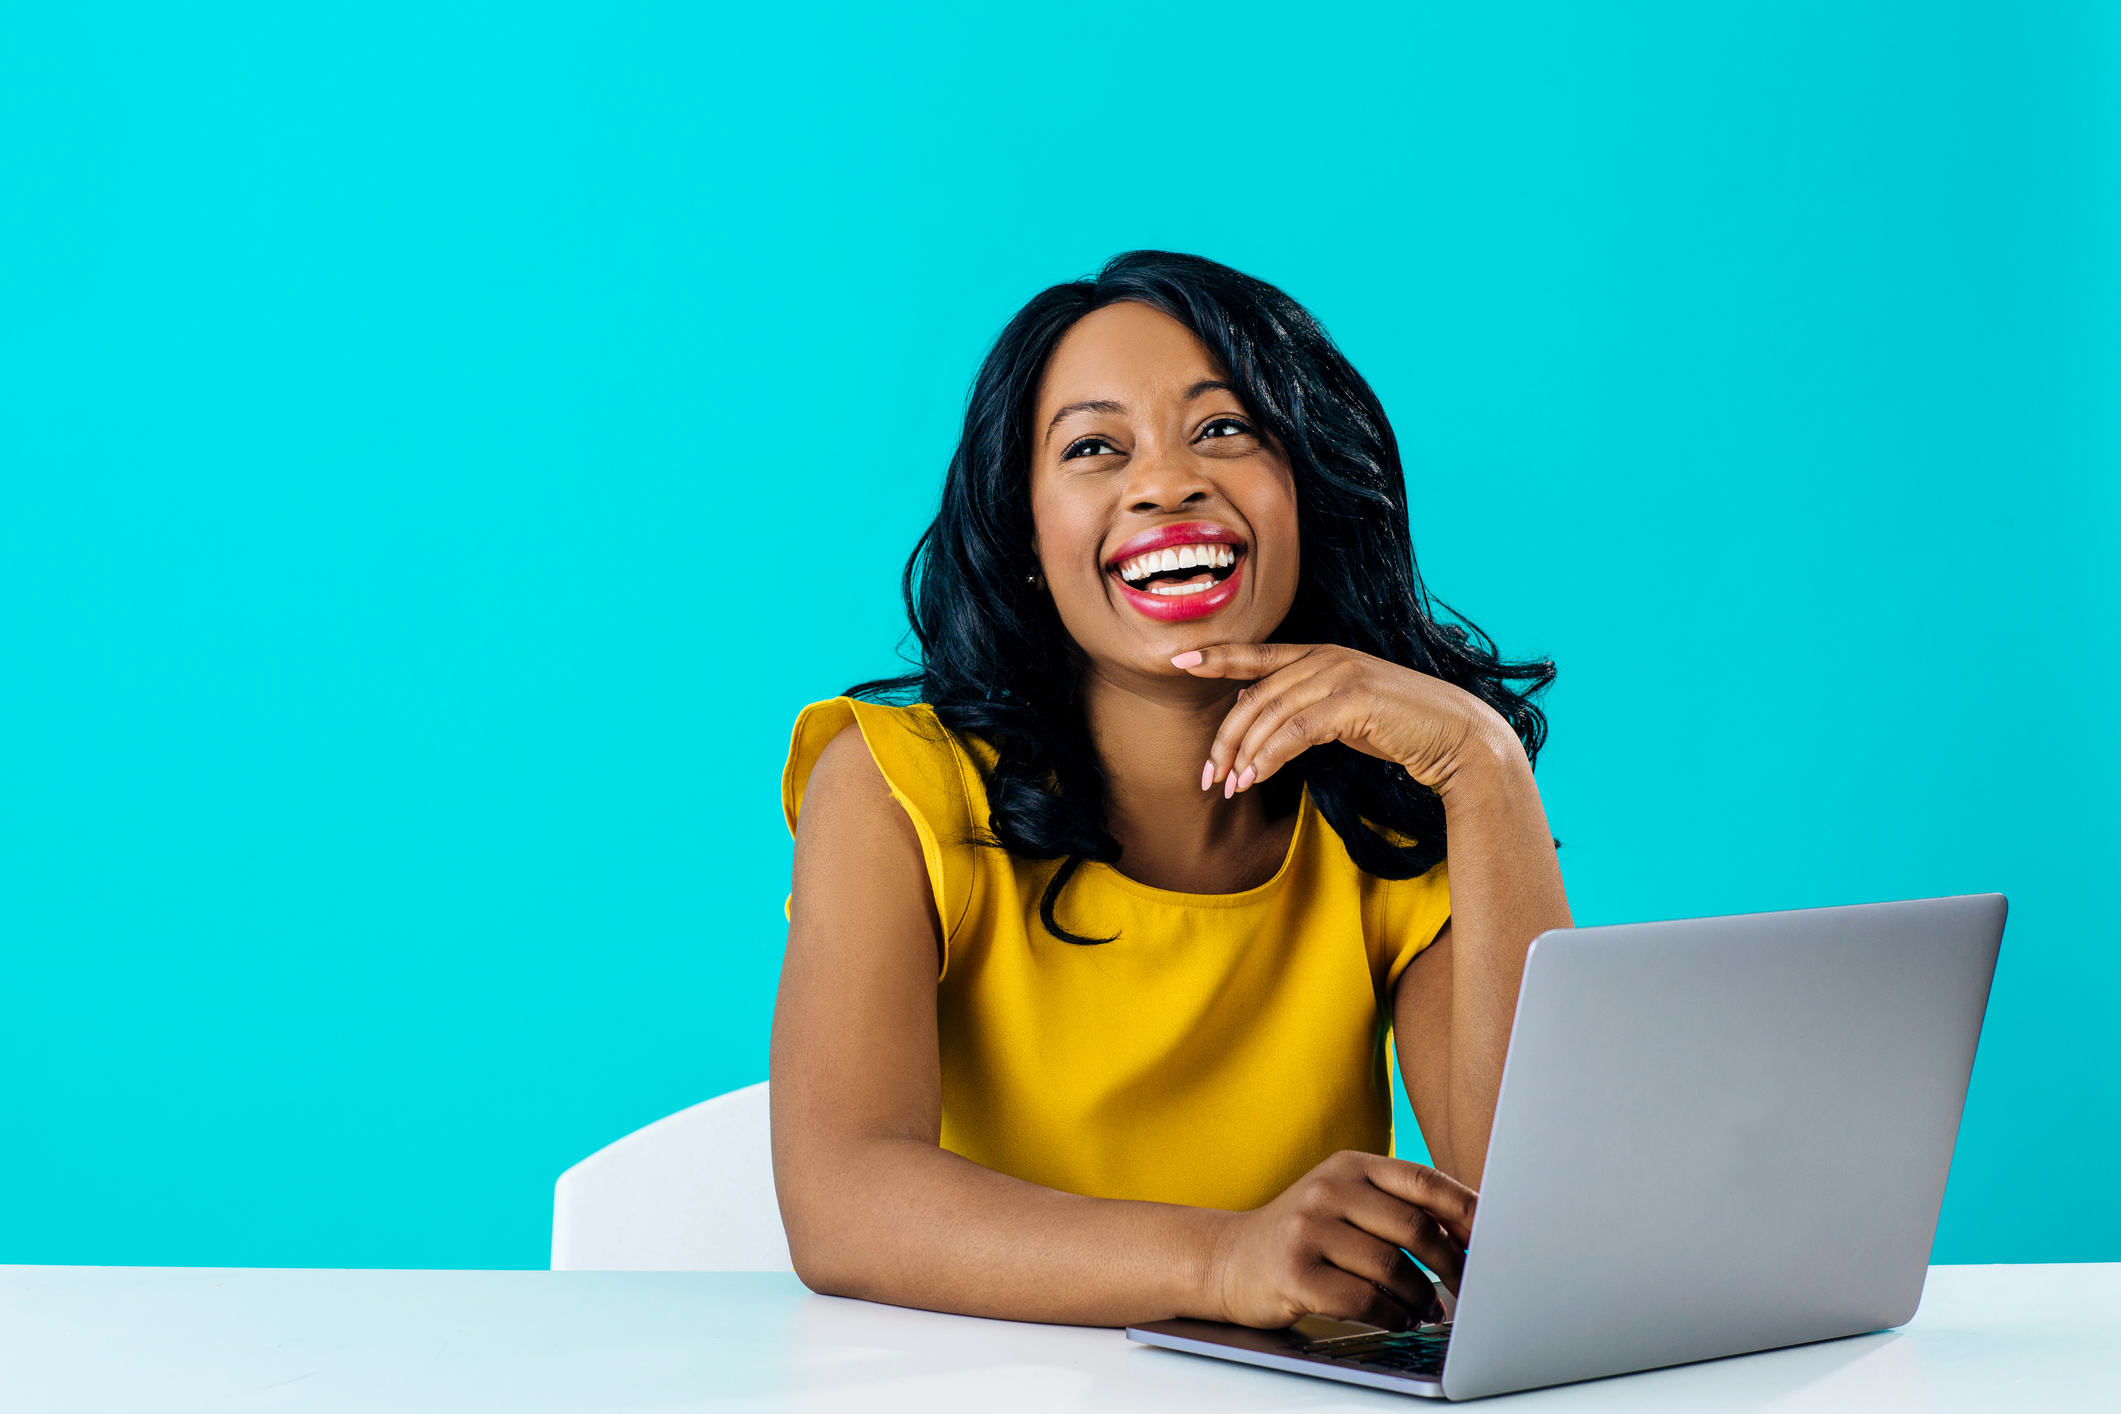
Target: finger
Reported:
[(1439, 1195), (1440, 1252), (1380, 1260), (1341, 1295), (1241, 660), (1294, 721), (1408, 1227), (1225, 752), (1412, 1228)]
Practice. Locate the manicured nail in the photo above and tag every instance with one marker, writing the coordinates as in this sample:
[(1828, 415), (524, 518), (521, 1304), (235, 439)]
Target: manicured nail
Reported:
[(1229, 786), (1244, 782), (1207, 775), (1187, 660)]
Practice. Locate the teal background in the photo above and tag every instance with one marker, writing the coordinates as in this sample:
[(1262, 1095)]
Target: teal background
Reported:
[(444, 444)]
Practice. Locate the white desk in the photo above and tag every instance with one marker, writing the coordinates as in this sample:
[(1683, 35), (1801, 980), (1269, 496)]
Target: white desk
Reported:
[(135, 1339)]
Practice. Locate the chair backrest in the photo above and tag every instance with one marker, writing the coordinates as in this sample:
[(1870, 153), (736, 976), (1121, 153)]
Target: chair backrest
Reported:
[(692, 1192)]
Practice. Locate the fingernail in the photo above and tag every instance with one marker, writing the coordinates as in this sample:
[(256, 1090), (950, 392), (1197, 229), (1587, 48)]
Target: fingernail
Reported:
[(1229, 786), (1207, 775), (1244, 782), (1187, 660)]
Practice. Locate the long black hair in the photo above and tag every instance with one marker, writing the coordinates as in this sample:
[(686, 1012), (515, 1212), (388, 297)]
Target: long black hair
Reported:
[(996, 664)]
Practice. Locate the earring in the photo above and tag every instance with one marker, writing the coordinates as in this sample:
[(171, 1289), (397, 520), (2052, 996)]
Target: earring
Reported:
[(1030, 579)]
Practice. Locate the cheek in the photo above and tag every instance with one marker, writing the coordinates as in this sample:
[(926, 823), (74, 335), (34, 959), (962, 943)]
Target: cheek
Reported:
[(1068, 534), (1272, 514)]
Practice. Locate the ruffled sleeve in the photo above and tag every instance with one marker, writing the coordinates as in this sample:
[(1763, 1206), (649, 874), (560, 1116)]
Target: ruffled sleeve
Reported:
[(1415, 911), (930, 777)]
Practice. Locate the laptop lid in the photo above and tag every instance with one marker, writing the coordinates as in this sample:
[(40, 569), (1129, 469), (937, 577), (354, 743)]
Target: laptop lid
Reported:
[(1720, 1135)]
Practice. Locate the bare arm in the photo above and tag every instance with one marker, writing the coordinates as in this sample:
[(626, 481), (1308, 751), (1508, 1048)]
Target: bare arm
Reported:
[(875, 1208), (1452, 1011)]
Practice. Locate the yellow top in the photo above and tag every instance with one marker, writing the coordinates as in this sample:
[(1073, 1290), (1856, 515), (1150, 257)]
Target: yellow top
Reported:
[(1211, 1055)]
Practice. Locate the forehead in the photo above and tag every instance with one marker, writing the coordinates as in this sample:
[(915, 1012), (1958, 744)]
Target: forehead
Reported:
[(1124, 353)]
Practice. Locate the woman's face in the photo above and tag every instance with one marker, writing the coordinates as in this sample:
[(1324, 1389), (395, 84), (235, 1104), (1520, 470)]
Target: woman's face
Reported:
[(1166, 521)]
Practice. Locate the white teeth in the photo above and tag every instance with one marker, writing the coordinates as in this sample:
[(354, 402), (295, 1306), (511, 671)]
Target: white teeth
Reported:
[(1184, 557), (1180, 588)]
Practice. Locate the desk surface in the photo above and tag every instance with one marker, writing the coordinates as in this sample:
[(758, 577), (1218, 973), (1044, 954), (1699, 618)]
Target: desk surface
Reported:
[(90, 1339)]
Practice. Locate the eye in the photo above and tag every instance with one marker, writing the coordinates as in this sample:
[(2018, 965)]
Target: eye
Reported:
[(1089, 447), (1225, 427)]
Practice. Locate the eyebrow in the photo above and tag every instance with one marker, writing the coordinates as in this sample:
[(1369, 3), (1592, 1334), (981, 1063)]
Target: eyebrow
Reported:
[(1094, 405), (1206, 385)]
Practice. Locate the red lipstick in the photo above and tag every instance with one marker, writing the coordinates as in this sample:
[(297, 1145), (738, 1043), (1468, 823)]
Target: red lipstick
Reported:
[(1184, 532), (1173, 608), (1170, 608)]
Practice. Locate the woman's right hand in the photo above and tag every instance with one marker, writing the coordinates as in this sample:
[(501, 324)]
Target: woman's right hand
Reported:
[(1336, 1242)]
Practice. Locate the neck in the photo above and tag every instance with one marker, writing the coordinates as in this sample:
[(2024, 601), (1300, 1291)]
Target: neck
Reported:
[(1153, 738)]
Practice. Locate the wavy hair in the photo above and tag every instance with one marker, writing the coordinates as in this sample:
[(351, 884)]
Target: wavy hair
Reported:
[(995, 662)]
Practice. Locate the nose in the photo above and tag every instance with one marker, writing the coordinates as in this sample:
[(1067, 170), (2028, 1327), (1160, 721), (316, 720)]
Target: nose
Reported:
[(1163, 481)]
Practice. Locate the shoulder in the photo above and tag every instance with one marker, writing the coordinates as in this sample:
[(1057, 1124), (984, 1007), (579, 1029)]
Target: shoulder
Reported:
[(905, 755), (917, 759), (844, 771)]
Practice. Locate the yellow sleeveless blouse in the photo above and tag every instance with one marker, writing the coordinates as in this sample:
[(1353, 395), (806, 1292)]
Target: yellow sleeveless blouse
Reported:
[(1211, 1055)]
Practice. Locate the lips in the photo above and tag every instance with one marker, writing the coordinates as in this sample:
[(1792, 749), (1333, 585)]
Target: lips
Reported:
[(1174, 608), (1164, 537), (1185, 570)]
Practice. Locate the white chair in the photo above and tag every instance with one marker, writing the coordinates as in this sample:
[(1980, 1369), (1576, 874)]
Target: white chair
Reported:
[(692, 1192)]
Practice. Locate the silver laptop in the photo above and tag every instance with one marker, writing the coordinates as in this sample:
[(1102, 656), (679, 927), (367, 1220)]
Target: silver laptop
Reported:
[(1714, 1136)]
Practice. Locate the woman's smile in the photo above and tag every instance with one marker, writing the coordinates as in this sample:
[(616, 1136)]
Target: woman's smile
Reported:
[(1186, 570)]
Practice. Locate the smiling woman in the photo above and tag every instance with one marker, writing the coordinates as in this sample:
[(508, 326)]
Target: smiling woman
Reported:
[(1173, 554)]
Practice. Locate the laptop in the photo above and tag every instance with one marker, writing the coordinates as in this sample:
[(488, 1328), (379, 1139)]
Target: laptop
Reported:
[(1714, 1136)]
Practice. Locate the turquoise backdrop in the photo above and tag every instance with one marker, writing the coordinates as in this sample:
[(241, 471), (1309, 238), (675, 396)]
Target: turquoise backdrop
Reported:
[(444, 444)]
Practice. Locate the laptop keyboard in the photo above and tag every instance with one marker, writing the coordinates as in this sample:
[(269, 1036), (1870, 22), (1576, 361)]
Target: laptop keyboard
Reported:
[(1415, 1352)]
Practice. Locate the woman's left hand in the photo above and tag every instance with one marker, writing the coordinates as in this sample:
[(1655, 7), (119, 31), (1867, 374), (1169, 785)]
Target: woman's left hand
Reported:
[(1303, 696)]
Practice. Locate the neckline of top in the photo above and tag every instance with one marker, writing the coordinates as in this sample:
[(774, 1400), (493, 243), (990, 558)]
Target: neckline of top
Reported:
[(1153, 894)]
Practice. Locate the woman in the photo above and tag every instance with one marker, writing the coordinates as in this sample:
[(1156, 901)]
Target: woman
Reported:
[(1095, 947)]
